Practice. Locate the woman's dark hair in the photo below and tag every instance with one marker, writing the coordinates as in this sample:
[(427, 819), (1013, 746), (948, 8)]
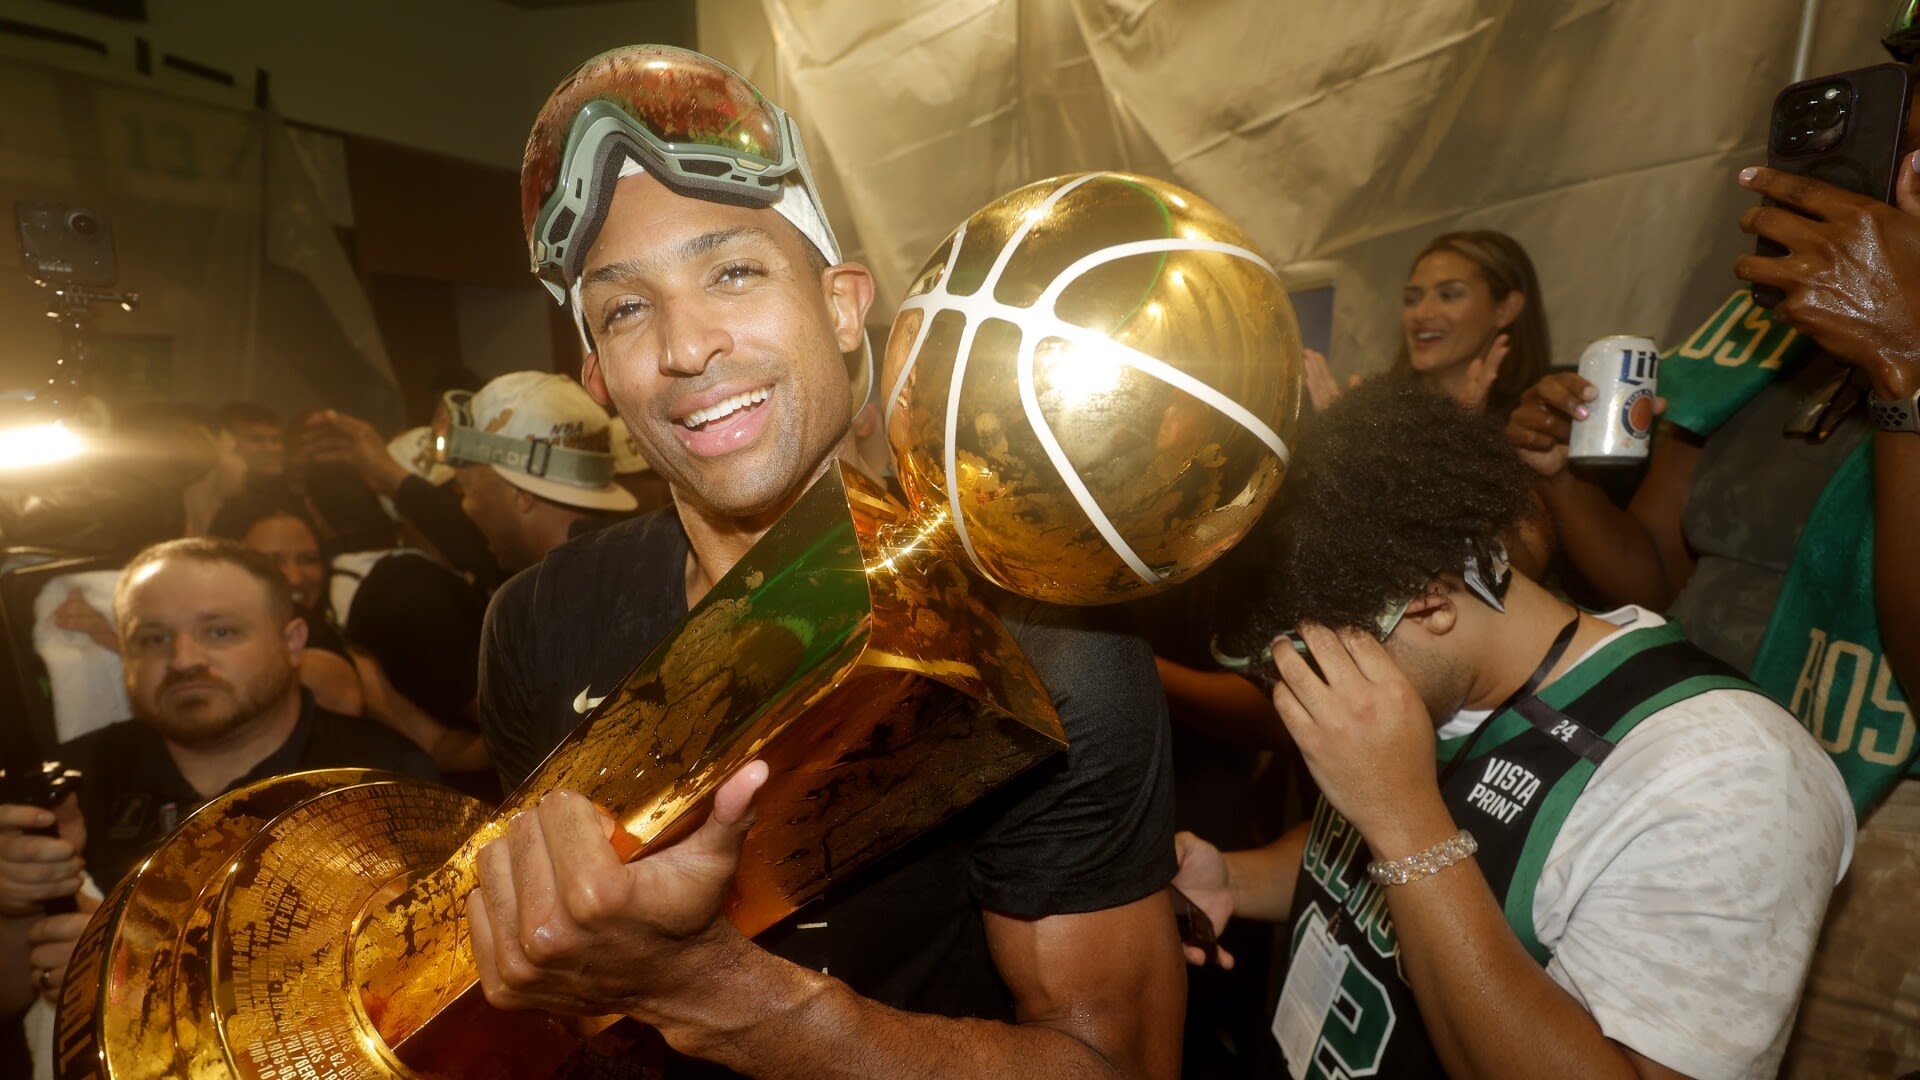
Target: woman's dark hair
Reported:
[(1392, 485), (1505, 267), (238, 515)]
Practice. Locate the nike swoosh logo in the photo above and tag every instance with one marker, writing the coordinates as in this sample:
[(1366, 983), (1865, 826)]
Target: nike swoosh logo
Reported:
[(582, 704)]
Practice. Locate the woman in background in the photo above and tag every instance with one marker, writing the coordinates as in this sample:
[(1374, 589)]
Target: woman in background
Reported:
[(272, 523), (1472, 324)]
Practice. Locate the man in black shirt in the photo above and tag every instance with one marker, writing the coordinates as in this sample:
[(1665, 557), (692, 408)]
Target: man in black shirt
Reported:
[(211, 650), (1030, 935), (422, 492)]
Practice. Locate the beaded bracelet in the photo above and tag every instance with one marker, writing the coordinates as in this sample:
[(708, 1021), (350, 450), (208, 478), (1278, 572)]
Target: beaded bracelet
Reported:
[(1426, 863)]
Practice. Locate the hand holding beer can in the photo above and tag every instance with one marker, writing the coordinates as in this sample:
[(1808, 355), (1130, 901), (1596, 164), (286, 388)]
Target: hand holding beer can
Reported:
[(1619, 422)]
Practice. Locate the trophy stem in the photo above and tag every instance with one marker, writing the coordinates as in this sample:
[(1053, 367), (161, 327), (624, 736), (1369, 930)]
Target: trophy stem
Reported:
[(843, 650)]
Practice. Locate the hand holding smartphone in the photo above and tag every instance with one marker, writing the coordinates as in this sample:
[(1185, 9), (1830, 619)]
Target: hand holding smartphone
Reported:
[(1844, 129)]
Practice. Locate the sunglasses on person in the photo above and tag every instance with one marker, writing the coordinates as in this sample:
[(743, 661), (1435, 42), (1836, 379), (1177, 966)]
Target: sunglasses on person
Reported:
[(1486, 578), (1260, 668)]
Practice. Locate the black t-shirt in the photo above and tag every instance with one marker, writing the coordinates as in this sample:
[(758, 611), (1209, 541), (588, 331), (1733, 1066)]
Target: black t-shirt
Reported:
[(1086, 830), (435, 511), (421, 621), (132, 794)]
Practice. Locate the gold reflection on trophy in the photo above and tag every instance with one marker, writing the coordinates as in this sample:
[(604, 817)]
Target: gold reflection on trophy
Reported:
[(1089, 392), (1096, 377)]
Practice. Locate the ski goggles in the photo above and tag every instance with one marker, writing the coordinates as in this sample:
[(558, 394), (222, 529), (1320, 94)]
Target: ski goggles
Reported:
[(458, 442), (1902, 36), (688, 120)]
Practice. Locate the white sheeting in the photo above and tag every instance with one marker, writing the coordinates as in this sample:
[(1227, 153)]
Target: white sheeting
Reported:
[(1341, 135), (88, 686)]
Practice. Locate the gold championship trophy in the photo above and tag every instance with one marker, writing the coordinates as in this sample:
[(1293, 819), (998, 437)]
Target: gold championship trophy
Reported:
[(1087, 391)]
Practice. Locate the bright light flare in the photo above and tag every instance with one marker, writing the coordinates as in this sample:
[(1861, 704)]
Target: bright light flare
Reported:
[(36, 445), (1084, 371)]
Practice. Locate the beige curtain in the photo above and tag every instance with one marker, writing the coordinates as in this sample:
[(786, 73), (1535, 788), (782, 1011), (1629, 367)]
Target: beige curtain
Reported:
[(1340, 133)]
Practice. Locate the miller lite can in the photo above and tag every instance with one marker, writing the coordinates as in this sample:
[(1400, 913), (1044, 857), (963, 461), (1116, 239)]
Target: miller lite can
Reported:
[(1620, 417)]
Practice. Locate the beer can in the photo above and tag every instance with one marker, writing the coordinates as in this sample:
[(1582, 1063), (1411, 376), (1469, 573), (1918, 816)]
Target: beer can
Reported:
[(1619, 419)]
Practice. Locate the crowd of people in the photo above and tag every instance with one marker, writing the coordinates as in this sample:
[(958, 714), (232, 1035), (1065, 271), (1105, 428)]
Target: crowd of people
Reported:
[(1579, 763)]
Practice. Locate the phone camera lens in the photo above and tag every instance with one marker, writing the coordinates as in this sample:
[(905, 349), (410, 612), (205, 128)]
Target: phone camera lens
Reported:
[(83, 223)]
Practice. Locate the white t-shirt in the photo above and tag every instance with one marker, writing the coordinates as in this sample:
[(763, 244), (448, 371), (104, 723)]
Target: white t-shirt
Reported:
[(1682, 897)]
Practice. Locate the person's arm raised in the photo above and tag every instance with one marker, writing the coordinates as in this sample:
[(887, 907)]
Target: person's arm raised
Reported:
[(560, 924), (1633, 556), (339, 439), (1491, 1010), (1851, 281)]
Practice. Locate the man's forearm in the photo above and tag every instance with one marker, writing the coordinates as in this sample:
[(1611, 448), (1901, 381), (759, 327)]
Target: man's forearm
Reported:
[(1608, 547), (767, 1017), (1491, 1010), (1222, 706), (1263, 878)]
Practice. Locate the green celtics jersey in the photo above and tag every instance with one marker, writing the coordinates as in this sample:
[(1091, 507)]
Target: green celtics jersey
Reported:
[(1513, 789), (1821, 657)]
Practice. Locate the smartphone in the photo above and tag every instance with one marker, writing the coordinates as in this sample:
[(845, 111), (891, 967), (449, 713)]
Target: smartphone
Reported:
[(1195, 928), (44, 788), (1844, 129)]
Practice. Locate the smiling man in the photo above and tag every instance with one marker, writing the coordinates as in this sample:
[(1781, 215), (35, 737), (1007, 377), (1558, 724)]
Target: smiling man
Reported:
[(670, 205)]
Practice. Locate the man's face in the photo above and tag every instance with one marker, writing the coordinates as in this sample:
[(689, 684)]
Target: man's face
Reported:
[(719, 345), (262, 447), (203, 652), (493, 504)]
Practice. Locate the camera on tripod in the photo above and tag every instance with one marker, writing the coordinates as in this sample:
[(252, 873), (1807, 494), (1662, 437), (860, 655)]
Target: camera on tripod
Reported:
[(68, 250), (62, 244)]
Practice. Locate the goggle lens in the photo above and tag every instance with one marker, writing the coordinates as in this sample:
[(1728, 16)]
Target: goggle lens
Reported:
[(680, 98)]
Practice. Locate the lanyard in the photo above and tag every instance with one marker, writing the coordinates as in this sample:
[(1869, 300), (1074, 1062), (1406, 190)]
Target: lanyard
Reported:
[(1554, 653)]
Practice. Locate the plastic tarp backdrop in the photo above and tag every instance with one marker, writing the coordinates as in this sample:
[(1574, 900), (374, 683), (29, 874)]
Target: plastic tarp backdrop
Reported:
[(1605, 136), (246, 291)]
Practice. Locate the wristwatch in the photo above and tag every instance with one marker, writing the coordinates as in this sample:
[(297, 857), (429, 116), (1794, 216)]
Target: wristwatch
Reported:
[(1900, 414)]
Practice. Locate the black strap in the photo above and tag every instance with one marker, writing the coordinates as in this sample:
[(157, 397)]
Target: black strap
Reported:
[(1557, 725), (1617, 693), (1554, 653)]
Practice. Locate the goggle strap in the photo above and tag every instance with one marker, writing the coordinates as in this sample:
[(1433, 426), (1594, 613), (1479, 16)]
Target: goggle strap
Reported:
[(535, 457), (612, 135)]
